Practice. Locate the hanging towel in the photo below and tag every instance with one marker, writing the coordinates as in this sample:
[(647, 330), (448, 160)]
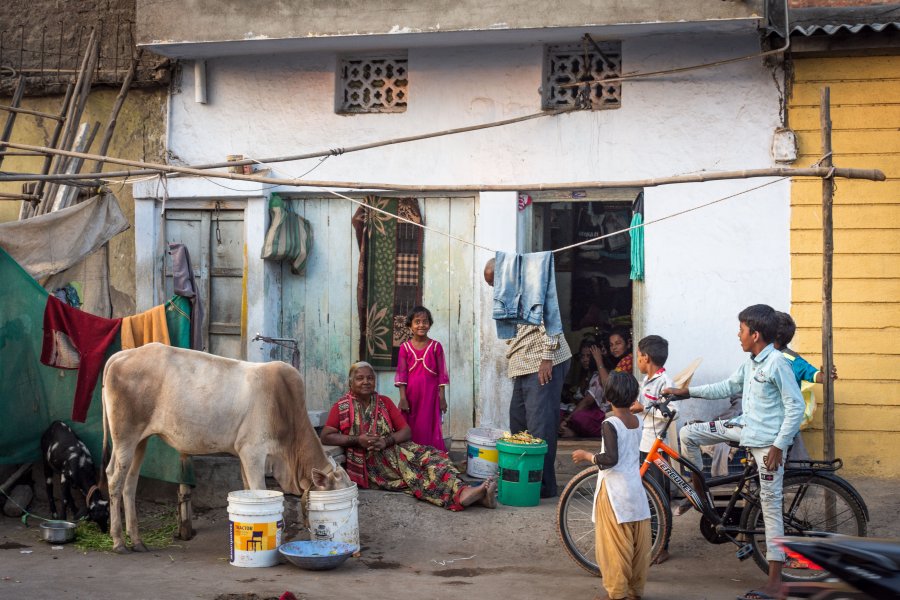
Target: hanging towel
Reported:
[(637, 239), (149, 326), (289, 236), (89, 335), (525, 293), (186, 285)]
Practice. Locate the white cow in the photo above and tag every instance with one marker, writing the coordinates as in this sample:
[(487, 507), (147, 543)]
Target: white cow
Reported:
[(203, 404)]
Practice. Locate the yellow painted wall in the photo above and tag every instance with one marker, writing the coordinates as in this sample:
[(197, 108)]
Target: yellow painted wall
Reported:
[(139, 135), (865, 114)]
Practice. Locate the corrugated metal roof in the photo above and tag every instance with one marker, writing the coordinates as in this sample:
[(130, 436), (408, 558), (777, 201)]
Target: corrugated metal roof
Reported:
[(830, 21)]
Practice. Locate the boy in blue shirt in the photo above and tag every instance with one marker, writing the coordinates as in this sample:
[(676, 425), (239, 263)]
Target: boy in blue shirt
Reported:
[(772, 410), (803, 371)]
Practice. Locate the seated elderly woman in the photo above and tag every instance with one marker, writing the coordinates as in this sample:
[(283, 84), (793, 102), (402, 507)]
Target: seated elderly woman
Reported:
[(379, 454)]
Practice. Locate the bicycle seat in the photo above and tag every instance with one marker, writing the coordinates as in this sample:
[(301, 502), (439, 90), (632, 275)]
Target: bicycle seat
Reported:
[(734, 444)]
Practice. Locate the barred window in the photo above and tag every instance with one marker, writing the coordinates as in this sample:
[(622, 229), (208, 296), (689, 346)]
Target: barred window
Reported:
[(571, 63), (373, 84)]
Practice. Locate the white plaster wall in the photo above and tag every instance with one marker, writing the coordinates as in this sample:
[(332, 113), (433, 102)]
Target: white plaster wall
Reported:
[(701, 269)]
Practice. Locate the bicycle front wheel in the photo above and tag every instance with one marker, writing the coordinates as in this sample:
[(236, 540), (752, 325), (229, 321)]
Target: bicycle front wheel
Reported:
[(811, 503), (576, 528)]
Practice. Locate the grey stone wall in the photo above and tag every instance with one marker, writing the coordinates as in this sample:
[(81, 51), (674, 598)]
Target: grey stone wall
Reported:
[(44, 40)]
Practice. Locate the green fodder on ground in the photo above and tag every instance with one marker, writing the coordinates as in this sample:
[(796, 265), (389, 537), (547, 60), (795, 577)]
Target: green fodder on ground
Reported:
[(157, 532)]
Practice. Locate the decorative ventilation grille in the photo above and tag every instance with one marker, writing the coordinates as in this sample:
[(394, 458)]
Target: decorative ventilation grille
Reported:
[(572, 63), (373, 85)]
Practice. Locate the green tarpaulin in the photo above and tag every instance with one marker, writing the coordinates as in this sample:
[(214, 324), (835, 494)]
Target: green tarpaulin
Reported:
[(33, 395)]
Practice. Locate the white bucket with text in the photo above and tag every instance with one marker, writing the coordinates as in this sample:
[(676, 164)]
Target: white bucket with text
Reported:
[(481, 452), (257, 522)]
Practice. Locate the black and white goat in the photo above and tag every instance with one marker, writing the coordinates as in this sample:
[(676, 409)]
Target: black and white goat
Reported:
[(67, 455)]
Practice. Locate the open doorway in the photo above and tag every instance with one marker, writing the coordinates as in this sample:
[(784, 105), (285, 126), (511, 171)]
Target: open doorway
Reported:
[(596, 294)]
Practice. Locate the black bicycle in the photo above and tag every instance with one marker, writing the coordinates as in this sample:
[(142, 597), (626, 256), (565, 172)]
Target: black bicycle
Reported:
[(816, 500)]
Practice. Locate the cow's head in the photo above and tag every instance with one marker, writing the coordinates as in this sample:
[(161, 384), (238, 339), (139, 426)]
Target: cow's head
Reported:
[(335, 480)]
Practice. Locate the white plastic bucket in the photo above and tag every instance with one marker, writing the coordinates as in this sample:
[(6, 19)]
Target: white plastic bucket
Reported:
[(257, 522), (333, 515), (481, 451)]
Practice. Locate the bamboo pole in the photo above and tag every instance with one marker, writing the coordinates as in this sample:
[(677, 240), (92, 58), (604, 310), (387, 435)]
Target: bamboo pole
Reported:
[(9, 196), (870, 174), (827, 277), (117, 106), (27, 111), (11, 117), (73, 114), (54, 138)]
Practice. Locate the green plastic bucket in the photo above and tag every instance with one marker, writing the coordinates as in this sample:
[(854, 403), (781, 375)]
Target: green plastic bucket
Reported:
[(521, 468)]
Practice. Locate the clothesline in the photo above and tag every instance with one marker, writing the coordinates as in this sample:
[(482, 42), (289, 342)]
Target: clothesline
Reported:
[(570, 246)]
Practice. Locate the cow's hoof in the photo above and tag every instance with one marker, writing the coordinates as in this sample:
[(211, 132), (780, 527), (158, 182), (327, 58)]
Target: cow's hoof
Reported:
[(121, 549), (140, 547)]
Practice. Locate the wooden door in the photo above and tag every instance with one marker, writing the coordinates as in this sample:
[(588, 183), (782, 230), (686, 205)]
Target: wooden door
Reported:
[(319, 307), (215, 240)]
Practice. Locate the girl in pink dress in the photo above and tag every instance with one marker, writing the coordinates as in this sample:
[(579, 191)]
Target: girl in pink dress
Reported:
[(421, 377)]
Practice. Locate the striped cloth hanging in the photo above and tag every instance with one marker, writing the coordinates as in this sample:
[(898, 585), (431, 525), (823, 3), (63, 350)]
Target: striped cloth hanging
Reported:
[(289, 236)]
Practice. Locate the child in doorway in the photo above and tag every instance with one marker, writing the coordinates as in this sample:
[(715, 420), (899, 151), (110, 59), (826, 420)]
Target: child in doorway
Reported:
[(653, 351), (772, 410), (621, 512), (421, 378)]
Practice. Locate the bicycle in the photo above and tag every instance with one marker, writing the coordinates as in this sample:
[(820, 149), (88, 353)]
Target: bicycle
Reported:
[(815, 500)]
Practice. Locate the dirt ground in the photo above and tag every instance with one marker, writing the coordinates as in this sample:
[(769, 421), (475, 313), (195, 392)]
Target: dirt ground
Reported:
[(410, 550)]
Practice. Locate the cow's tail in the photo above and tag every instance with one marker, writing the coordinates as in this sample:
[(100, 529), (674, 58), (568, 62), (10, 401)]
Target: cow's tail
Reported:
[(104, 455)]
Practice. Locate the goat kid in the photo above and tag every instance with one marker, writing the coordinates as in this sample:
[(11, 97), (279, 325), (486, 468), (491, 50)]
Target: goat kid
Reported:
[(64, 453)]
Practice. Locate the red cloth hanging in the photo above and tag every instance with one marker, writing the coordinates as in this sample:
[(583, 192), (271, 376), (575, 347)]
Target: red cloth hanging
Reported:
[(89, 335)]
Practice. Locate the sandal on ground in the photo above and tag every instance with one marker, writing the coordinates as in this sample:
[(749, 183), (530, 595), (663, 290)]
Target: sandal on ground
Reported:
[(756, 595)]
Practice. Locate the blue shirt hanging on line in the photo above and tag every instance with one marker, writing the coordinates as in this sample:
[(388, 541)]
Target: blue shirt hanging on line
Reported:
[(525, 293)]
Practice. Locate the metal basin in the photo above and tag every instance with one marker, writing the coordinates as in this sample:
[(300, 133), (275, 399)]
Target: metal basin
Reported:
[(316, 555), (58, 532)]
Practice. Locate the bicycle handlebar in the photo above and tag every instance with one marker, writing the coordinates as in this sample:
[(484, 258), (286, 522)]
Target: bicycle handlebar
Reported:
[(663, 405)]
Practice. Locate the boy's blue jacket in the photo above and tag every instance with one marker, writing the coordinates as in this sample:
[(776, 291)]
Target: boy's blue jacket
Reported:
[(525, 293), (803, 371), (772, 404)]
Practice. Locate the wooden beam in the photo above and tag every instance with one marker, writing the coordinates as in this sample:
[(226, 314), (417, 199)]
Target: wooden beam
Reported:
[(26, 111)]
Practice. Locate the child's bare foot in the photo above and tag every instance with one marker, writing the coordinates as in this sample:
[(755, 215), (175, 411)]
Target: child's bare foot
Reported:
[(663, 557)]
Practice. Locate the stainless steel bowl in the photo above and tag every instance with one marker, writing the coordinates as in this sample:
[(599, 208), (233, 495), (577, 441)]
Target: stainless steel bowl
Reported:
[(58, 532)]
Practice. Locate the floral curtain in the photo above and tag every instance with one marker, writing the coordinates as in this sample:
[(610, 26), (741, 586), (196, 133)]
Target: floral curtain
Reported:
[(389, 282)]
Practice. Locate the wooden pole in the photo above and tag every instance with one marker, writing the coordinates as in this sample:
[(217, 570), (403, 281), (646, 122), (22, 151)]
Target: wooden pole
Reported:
[(11, 117), (185, 525), (117, 106), (26, 111), (870, 174), (827, 276), (54, 138)]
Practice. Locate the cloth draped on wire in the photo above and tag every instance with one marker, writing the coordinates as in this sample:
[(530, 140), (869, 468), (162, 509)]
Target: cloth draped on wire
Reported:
[(637, 239), (423, 372), (289, 236), (525, 293), (68, 248), (389, 282), (420, 471), (32, 395), (185, 285)]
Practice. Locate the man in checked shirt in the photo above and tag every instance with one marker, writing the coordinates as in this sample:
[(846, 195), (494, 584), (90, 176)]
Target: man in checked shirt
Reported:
[(538, 364)]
